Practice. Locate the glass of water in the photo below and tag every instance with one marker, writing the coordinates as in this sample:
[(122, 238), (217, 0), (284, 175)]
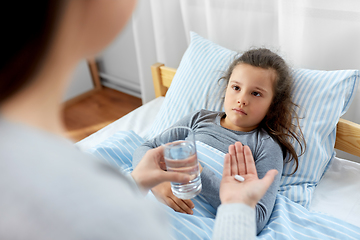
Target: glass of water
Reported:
[(180, 156)]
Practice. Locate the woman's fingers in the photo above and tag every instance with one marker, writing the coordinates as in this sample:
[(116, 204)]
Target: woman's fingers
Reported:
[(249, 161), (227, 165), (268, 179), (240, 158), (233, 157), (174, 177)]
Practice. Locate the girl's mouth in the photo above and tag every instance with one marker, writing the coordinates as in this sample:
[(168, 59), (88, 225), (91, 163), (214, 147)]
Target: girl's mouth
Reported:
[(240, 111)]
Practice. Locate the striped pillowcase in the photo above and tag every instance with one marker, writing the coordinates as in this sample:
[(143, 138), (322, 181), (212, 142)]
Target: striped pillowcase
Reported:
[(118, 149), (323, 96), (195, 84)]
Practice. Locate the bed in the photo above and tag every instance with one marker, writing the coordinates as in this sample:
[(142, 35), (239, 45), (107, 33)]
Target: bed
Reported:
[(320, 201)]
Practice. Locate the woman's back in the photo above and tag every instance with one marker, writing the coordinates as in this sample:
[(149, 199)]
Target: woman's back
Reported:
[(50, 188)]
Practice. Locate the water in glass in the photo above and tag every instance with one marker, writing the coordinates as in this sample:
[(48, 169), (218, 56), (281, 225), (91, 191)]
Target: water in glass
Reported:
[(180, 156)]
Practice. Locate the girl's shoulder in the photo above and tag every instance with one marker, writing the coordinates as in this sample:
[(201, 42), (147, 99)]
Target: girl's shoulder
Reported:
[(268, 145), (208, 113), (205, 111), (265, 137)]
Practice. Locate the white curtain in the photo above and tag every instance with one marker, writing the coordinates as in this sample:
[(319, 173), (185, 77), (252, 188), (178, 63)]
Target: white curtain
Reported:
[(315, 34)]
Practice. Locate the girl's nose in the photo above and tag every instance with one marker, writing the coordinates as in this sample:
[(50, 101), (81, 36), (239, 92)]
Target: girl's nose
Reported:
[(242, 100)]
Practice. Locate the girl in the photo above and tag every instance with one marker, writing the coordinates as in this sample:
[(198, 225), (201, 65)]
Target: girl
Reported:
[(259, 113)]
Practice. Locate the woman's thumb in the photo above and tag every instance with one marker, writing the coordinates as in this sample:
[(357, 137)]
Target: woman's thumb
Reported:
[(269, 177), (176, 177)]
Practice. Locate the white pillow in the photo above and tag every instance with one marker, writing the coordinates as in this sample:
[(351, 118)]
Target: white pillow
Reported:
[(324, 96)]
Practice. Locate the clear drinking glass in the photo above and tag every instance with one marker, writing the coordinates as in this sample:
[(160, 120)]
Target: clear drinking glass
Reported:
[(180, 156)]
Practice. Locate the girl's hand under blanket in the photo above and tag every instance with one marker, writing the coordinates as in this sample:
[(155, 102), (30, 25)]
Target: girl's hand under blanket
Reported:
[(164, 194)]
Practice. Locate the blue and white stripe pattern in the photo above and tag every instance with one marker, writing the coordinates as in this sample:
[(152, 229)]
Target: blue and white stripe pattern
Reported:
[(322, 95), (289, 220), (118, 149), (195, 84)]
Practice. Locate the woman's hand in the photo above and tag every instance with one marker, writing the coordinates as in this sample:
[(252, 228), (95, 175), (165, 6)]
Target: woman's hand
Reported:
[(239, 161), (150, 171), (164, 194)]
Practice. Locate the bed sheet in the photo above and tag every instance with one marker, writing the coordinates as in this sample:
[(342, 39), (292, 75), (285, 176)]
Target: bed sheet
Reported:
[(337, 194)]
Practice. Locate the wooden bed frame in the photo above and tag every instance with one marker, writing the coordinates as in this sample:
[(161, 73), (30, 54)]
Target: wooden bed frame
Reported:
[(347, 134)]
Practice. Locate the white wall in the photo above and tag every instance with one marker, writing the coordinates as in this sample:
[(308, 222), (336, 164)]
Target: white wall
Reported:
[(117, 68), (118, 64), (81, 81)]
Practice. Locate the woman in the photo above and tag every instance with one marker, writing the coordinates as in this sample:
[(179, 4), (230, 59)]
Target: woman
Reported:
[(49, 189)]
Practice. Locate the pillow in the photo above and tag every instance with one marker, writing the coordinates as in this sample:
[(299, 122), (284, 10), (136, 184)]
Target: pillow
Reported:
[(118, 149), (323, 96)]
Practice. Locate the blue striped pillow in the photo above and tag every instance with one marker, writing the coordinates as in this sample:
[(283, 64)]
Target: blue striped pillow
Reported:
[(195, 84), (118, 149), (324, 96)]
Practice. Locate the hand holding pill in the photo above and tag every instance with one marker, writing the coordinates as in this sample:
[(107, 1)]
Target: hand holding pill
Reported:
[(239, 165)]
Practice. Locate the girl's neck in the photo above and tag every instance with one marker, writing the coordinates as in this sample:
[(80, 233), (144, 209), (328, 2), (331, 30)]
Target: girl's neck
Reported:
[(235, 128)]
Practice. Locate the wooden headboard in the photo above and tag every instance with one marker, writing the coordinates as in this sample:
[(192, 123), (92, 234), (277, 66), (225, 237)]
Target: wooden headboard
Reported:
[(347, 134)]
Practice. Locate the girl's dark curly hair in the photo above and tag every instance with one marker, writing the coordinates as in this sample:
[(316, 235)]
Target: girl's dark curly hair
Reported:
[(281, 120)]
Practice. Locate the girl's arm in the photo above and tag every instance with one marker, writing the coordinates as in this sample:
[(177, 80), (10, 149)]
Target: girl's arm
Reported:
[(268, 157)]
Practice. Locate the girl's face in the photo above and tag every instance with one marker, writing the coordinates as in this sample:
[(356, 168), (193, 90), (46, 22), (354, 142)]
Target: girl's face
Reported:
[(248, 96)]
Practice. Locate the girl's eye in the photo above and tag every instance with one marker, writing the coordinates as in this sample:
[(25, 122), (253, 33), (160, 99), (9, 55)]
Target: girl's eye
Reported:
[(236, 88), (256, 94)]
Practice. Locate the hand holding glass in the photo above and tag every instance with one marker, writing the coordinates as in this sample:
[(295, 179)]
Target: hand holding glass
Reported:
[(180, 156)]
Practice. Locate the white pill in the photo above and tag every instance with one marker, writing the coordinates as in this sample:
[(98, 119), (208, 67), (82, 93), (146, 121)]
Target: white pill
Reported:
[(239, 178)]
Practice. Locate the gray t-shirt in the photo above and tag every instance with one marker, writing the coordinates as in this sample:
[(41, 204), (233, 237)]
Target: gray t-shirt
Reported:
[(266, 151)]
